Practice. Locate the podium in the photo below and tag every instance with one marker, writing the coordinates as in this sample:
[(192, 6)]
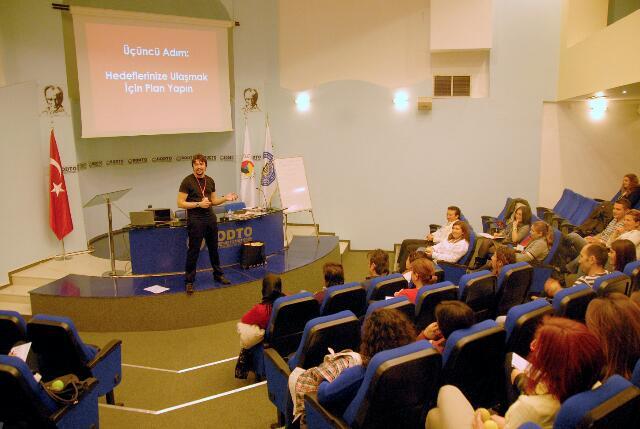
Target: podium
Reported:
[(107, 199)]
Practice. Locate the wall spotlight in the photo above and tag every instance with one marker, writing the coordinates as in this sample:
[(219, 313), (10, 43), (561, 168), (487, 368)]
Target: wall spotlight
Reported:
[(401, 100), (597, 107), (303, 101)]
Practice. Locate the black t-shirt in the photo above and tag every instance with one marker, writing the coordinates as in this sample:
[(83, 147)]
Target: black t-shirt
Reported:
[(192, 186)]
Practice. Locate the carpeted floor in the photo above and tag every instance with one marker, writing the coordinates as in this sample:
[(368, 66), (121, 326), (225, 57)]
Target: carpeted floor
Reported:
[(193, 371)]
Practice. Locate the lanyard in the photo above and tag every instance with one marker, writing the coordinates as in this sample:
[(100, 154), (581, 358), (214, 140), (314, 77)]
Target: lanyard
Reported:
[(203, 187)]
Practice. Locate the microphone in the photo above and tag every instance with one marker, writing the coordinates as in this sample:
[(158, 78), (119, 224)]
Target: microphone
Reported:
[(264, 196)]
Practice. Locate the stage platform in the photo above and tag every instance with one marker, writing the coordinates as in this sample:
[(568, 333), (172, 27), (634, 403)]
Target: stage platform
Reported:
[(122, 304)]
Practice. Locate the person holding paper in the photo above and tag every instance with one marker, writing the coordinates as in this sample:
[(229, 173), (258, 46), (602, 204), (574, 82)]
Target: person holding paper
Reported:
[(197, 194)]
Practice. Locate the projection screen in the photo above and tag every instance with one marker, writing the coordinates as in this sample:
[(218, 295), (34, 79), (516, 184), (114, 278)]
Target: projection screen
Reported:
[(144, 74)]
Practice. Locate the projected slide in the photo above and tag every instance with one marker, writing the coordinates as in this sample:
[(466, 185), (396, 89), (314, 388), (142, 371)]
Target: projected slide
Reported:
[(140, 76)]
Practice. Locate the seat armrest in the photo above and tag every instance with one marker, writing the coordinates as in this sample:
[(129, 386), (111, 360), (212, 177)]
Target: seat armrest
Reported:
[(104, 352), (89, 384), (278, 362), (433, 227), (316, 411), (540, 211), (443, 264), (567, 227)]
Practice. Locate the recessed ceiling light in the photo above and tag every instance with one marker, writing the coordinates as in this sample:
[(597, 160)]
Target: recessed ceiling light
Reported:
[(599, 94), (624, 92)]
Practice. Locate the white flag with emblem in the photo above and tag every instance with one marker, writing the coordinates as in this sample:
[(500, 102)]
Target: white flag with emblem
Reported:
[(247, 173), (268, 176)]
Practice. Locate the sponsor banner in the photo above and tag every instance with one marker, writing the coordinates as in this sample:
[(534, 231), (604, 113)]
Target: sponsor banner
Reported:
[(227, 157)]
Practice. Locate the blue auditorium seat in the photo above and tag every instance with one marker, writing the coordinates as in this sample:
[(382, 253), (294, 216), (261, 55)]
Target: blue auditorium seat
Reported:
[(615, 404), (473, 361), (398, 386), (478, 291), (61, 351), (338, 331), (25, 404), (612, 282), (289, 316), (13, 329), (522, 322), (514, 282), (573, 301), (487, 221), (632, 269), (349, 296), (428, 298), (400, 303), (380, 287)]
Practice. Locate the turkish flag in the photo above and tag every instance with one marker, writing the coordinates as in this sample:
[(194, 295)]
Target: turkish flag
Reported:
[(59, 211)]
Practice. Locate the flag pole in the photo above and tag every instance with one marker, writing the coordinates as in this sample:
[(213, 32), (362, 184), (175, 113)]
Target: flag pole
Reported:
[(64, 256)]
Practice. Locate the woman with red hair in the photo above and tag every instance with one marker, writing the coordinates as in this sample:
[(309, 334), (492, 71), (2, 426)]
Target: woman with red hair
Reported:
[(565, 359)]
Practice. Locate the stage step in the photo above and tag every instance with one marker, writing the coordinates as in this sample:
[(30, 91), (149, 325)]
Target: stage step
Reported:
[(24, 309)]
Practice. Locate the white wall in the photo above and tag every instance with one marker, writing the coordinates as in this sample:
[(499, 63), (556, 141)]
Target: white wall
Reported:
[(461, 24), (24, 229), (377, 175), (587, 156), (32, 51)]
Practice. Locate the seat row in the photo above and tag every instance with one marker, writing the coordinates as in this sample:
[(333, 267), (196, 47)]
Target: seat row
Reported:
[(400, 385), (571, 210), (60, 350)]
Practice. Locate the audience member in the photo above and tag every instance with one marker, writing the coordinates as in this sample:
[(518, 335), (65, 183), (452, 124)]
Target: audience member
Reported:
[(538, 247), (454, 247), (565, 359), (621, 253), (630, 189), (253, 324), (416, 254), (333, 275), (441, 234), (422, 273), (502, 256), (615, 320), (576, 242), (378, 263), (630, 230), (514, 232), (450, 316), (635, 297), (592, 261), (382, 330)]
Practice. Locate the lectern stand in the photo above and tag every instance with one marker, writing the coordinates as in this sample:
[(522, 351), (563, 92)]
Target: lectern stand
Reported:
[(107, 199)]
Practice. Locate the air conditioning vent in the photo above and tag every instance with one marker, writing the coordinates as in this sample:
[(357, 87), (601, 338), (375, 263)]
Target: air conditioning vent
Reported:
[(447, 86), (461, 86), (442, 86)]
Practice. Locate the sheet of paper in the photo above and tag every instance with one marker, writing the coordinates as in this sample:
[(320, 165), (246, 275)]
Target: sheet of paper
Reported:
[(156, 289), (407, 276), (20, 351)]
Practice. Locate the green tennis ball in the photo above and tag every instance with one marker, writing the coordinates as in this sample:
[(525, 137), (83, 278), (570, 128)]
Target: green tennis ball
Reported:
[(490, 424), (57, 385), (484, 414)]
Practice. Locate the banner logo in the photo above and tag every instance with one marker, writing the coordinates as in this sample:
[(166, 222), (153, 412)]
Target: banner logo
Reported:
[(247, 168), (268, 170), (234, 237)]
